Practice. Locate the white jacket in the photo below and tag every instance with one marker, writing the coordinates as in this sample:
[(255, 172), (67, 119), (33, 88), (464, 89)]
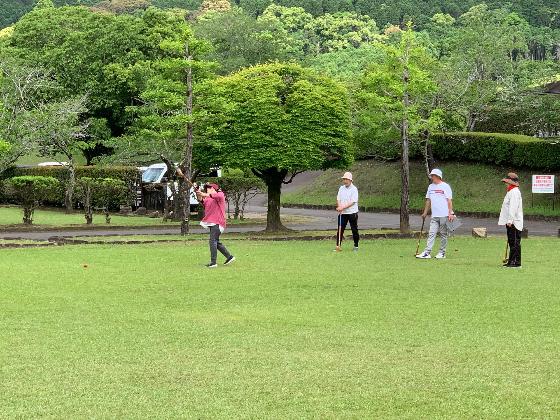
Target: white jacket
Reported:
[(512, 209)]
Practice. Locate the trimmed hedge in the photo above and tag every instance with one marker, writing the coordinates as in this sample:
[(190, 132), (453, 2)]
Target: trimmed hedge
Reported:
[(128, 174), (512, 150)]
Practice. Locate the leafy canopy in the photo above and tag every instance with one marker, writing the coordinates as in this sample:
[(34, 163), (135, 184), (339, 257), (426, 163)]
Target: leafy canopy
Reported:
[(276, 116)]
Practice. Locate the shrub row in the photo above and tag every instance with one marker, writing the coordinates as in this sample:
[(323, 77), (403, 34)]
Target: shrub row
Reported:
[(512, 150), (127, 174)]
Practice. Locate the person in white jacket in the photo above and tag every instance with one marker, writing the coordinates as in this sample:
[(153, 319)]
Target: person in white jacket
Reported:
[(511, 216)]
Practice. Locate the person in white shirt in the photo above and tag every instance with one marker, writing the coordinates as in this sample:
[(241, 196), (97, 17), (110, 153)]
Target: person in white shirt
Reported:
[(347, 208), (511, 216), (439, 199)]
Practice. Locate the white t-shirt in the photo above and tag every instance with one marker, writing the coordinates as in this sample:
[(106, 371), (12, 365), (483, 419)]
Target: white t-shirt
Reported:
[(348, 195), (438, 195)]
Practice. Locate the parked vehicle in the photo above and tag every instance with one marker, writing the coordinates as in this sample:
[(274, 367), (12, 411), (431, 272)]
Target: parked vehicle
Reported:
[(46, 164), (157, 174)]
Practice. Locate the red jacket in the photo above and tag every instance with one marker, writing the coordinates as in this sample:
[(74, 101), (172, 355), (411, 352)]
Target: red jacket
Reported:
[(215, 209)]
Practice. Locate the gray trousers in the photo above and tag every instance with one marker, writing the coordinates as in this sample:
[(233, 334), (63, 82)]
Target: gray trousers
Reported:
[(437, 224), (216, 245)]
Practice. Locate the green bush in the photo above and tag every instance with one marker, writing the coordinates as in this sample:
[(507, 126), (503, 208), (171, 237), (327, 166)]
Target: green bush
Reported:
[(512, 150), (111, 193), (127, 174), (30, 191), (105, 193)]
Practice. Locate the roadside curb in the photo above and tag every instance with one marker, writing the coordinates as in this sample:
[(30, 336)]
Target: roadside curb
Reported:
[(79, 228), (57, 240), (37, 245)]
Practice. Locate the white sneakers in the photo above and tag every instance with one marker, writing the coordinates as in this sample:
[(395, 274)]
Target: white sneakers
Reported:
[(426, 255)]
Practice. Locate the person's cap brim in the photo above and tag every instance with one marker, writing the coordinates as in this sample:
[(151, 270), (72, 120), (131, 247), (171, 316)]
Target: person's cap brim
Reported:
[(510, 182)]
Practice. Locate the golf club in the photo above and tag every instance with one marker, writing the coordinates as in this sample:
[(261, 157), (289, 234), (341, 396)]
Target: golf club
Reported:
[(420, 236), (338, 238), (506, 257)]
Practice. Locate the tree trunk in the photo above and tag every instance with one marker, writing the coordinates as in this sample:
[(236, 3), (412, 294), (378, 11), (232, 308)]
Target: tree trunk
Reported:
[(69, 194), (88, 211), (273, 178), (405, 164), (27, 215), (187, 161), (471, 121), (184, 199), (89, 216), (405, 176), (429, 162)]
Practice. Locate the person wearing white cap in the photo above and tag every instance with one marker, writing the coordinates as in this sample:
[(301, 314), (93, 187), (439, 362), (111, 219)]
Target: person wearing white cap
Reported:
[(347, 208), (439, 199)]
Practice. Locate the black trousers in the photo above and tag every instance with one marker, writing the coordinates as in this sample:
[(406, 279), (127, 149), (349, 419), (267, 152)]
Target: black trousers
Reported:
[(216, 245), (514, 240), (343, 220)]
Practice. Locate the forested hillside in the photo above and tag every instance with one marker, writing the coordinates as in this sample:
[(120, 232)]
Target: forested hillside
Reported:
[(543, 13)]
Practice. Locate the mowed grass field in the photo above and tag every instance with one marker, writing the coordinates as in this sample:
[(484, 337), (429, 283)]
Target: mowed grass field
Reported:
[(291, 330)]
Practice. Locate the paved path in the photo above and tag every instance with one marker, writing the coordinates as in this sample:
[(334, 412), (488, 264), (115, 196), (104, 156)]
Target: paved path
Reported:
[(318, 220)]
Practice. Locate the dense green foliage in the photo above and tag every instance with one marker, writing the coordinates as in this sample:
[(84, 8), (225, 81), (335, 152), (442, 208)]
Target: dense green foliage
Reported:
[(515, 150), (538, 12), (292, 331), (128, 175), (501, 149), (30, 191), (104, 193), (294, 117)]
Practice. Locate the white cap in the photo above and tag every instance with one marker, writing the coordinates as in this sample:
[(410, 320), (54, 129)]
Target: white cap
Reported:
[(347, 175), (437, 172)]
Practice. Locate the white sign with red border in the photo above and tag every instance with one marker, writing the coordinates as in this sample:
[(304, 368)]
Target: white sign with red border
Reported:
[(543, 184)]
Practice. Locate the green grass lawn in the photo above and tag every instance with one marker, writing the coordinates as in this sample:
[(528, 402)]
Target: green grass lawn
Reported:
[(34, 159), (476, 188), (291, 330), (12, 215)]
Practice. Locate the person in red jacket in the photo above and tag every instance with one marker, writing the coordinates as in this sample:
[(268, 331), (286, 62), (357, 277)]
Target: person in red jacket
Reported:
[(214, 203)]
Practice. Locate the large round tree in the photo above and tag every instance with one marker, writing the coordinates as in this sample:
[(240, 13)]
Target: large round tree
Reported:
[(277, 120)]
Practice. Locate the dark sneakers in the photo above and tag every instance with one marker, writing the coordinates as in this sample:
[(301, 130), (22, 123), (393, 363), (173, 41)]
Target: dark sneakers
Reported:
[(211, 265), (229, 260)]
